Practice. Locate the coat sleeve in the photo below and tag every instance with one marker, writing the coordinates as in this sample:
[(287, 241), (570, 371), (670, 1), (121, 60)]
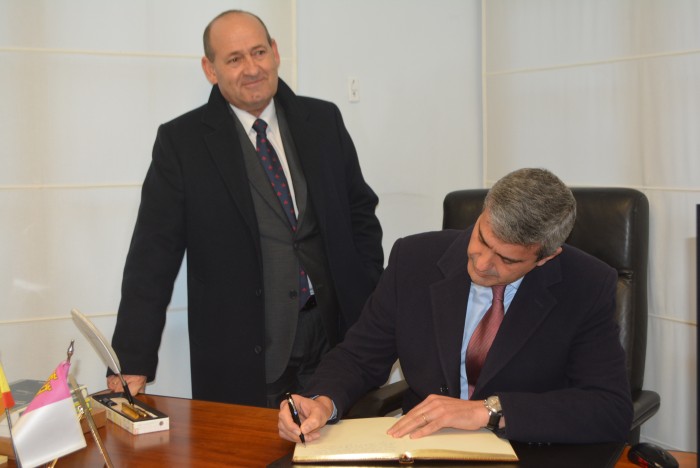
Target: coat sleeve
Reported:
[(155, 255), (366, 230), (596, 405), (364, 359)]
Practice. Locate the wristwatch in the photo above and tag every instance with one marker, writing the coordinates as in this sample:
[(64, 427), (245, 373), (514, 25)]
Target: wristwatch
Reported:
[(493, 405)]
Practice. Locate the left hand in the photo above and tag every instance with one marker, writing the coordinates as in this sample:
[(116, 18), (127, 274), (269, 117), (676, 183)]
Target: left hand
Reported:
[(436, 412)]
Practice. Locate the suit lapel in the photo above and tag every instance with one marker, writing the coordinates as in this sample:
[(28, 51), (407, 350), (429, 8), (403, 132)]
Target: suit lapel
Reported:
[(296, 173), (259, 181), (531, 305), (449, 301)]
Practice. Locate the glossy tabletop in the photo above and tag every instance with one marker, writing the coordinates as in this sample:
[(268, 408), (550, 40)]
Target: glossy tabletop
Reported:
[(207, 434)]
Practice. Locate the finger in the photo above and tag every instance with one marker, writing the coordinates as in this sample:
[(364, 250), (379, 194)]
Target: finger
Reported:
[(113, 383), (137, 386), (285, 425), (285, 433), (424, 430), (407, 424)]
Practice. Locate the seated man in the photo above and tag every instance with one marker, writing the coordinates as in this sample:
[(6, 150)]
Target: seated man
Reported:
[(544, 365)]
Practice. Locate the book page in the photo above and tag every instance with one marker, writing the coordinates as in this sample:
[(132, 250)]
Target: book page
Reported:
[(366, 439)]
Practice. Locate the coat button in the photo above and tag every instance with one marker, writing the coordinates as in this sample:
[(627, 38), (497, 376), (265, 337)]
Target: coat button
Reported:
[(257, 349), (292, 294), (258, 292), (444, 390)]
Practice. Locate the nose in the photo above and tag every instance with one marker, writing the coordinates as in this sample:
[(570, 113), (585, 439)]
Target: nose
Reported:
[(249, 66), (484, 261)]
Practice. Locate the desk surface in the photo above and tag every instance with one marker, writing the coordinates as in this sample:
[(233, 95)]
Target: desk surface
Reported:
[(206, 434), (202, 434)]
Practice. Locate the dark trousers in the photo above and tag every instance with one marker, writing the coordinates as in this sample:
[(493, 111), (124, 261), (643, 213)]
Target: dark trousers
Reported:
[(310, 344)]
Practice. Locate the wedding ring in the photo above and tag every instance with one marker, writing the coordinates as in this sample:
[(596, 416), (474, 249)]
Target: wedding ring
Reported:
[(425, 418)]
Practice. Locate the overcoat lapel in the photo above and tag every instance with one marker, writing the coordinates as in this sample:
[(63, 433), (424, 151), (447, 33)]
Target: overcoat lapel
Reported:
[(449, 301), (307, 150), (225, 149), (449, 297), (530, 306)]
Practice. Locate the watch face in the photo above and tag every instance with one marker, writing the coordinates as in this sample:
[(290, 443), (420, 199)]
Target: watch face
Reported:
[(494, 403)]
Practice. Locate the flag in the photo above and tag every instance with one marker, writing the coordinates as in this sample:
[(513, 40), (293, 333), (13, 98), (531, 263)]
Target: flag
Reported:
[(6, 400), (49, 427)]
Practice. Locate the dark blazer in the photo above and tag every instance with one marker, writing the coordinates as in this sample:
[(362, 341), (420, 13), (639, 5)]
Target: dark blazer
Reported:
[(556, 363), (196, 198)]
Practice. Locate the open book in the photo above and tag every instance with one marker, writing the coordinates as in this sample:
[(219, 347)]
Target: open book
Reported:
[(366, 440)]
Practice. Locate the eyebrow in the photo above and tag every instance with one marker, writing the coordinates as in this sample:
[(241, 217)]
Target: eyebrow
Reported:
[(245, 51), (503, 257)]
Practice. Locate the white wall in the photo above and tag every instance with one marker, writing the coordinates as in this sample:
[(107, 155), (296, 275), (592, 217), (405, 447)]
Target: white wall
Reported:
[(417, 126), (84, 85), (606, 94)]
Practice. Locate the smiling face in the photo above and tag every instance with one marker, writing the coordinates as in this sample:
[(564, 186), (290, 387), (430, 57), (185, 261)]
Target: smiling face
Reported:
[(492, 261), (244, 64)]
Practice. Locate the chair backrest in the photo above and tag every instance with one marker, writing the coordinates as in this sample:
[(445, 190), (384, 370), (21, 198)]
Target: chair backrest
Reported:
[(612, 224)]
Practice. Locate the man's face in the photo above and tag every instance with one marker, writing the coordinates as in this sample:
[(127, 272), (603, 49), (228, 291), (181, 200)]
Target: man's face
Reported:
[(492, 261), (245, 65)]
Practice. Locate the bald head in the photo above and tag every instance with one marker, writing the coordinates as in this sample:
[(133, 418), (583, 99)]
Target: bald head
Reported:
[(208, 51)]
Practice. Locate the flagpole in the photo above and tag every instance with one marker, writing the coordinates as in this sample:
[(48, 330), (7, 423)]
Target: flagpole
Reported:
[(88, 415), (9, 425), (91, 422)]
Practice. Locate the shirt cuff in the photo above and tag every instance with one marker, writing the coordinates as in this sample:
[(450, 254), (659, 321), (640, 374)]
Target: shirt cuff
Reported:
[(334, 414)]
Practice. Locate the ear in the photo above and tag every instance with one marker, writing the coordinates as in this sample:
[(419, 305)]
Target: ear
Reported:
[(275, 51), (209, 71), (546, 259)]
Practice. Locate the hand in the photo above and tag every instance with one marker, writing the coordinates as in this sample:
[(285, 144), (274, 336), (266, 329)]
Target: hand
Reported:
[(436, 412), (136, 383), (313, 415)]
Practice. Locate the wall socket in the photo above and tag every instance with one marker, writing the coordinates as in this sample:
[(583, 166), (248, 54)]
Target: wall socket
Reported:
[(353, 89)]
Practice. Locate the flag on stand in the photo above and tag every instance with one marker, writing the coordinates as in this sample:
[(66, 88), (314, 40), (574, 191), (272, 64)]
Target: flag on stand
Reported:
[(6, 400), (49, 427)]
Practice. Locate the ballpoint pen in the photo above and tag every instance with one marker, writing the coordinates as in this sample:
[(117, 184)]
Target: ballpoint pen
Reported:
[(295, 415)]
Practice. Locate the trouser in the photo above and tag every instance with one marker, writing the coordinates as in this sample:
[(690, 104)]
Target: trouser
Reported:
[(310, 344)]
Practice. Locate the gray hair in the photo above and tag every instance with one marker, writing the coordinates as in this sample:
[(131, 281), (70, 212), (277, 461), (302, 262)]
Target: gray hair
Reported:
[(208, 51), (530, 207)]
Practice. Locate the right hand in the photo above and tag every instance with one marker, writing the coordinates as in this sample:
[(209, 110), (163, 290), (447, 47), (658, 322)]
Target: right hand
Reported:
[(314, 415), (136, 383)]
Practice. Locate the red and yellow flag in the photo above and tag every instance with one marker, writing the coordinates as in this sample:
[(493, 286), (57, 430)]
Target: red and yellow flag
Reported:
[(6, 400)]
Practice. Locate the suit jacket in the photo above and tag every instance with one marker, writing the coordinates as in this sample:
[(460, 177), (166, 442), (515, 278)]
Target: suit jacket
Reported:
[(196, 198), (556, 363)]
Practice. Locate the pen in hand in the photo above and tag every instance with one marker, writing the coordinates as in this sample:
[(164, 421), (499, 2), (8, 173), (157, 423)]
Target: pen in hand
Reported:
[(295, 415)]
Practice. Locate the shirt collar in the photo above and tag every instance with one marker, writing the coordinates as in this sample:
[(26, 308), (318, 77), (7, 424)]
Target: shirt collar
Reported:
[(511, 288), (269, 115)]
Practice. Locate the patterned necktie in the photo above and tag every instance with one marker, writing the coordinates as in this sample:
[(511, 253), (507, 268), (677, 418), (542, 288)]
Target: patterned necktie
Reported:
[(278, 181), (483, 336)]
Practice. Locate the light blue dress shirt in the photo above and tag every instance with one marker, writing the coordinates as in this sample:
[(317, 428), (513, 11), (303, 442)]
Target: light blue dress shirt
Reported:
[(480, 298)]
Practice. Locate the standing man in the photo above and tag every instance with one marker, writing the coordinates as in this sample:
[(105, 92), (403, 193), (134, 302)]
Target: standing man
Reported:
[(501, 325), (264, 191)]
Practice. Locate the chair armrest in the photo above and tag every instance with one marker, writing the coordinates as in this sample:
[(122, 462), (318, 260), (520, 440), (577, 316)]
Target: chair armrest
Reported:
[(646, 403), (380, 401)]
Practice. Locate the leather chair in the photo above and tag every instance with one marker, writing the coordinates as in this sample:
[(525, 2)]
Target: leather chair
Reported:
[(612, 224)]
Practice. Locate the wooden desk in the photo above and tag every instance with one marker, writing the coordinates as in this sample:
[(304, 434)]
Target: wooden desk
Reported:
[(202, 434), (205, 434)]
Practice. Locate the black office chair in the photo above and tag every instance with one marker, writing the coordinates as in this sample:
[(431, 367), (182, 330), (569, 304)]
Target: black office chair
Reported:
[(612, 224)]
